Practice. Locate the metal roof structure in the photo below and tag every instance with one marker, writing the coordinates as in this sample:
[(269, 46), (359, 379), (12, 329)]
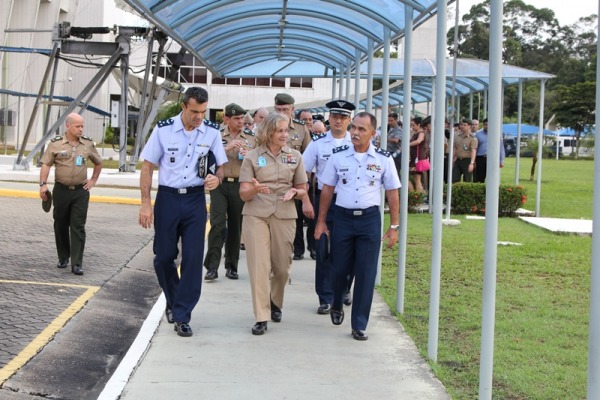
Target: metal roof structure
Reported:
[(281, 37)]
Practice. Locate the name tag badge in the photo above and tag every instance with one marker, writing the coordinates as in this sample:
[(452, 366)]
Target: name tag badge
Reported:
[(78, 161), (262, 162)]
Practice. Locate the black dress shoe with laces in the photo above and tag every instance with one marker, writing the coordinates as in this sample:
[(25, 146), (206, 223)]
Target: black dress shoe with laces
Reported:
[(259, 328), (211, 275), (62, 264), (231, 274), (359, 335), (324, 309), (276, 313), (337, 316), (313, 254), (76, 269), (348, 299), (169, 314), (183, 329), (298, 257)]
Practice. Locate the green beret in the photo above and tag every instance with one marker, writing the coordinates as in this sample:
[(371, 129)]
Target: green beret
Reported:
[(283, 98), (233, 109)]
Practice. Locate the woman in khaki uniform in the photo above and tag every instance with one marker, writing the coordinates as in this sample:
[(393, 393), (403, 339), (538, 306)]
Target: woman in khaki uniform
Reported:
[(272, 176)]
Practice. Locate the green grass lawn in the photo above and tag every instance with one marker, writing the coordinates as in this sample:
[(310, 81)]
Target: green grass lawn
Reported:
[(542, 297)]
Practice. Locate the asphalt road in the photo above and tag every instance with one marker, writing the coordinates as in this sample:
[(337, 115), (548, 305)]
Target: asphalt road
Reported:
[(62, 335)]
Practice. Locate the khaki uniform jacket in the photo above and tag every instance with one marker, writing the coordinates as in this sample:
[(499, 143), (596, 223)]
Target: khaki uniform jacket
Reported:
[(280, 172), (64, 157), (463, 145), (231, 169), (298, 136)]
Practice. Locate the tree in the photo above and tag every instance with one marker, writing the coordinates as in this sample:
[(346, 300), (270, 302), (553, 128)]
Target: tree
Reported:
[(576, 107)]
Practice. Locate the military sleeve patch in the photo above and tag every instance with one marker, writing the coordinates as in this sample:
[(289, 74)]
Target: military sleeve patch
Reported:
[(299, 121), (165, 122), (212, 124), (381, 151), (341, 148), (56, 138)]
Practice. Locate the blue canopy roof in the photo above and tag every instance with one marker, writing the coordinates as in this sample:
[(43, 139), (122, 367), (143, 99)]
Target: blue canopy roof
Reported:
[(270, 37), (511, 130)]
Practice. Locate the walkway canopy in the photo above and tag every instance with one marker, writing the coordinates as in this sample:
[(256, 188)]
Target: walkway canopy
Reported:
[(301, 38)]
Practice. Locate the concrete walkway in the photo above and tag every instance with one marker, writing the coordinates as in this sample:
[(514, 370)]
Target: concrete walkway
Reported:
[(302, 357)]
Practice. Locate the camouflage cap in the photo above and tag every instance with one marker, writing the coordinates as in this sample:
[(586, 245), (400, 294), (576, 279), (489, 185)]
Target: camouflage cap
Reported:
[(234, 109), (283, 98)]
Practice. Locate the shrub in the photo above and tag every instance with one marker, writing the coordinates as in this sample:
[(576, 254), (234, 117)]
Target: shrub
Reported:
[(469, 198), (415, 199)]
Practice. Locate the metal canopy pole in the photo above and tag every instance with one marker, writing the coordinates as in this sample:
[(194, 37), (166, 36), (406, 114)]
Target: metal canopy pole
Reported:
[(593, 383), (341, 83), (540, 143), (436, 241), (357, 78), (385, 91), (369, 108), (403, 233), (49, 107), (333, 85), (491, 210), (348, 78), (518, 143)]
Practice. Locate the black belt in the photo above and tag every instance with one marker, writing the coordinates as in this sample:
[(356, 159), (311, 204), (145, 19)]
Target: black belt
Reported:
[(70, 187), (357, 212), (229, 179), (187, 190)]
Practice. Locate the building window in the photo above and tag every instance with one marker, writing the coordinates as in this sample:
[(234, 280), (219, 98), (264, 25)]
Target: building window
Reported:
[(249, 81), (301, 82)]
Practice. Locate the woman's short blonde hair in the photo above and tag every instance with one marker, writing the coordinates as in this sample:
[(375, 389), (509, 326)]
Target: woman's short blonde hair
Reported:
[(268, 127)]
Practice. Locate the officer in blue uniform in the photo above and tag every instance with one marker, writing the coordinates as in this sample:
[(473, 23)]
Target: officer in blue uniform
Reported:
[(189, 153), (315, 157), (357, 173)]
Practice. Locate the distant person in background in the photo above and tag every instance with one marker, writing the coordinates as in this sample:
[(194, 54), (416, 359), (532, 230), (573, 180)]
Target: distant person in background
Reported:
[(481, 157), (474, 126), (306, 117), (248, 122), (465, 150), (417, 150), (259, 116), (394, 139), (272, 176)]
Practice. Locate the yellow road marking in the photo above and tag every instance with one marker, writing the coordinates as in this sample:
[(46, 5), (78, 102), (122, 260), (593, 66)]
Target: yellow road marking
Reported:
[(48, 333)]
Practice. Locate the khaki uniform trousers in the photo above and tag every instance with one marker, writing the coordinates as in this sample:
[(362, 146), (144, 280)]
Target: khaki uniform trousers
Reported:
[(269, 246)]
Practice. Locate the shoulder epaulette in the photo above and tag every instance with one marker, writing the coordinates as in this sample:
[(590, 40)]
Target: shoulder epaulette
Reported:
[(222, 129), (299, 121), (56, 138), (165, 122), (340, 148), (248, 132), (382, 151), (87, 138), (317, 136), (212, 124)]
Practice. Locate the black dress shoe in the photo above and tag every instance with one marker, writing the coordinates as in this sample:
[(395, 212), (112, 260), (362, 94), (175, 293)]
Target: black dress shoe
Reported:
[(76, 269), (62, 264), (348, 299), (359, 335), (242, 246), (298, 257), (337, 316), (211, 275), (231, 274), (183, 329), (313, 254), (324, 309), (259, 328), (276, 313), (169, 314)]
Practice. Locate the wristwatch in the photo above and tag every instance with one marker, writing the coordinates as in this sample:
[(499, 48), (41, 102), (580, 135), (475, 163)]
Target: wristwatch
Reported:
[(395, 227), (42, 184)]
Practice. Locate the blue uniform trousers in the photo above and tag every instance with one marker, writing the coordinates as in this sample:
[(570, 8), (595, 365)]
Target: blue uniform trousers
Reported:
[(180, 216), (324, 266), (356, 243)]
